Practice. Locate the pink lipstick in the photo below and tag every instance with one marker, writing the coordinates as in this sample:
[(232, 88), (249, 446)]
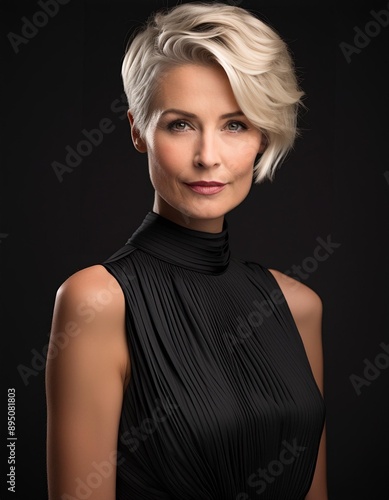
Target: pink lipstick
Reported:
[(206, 187)]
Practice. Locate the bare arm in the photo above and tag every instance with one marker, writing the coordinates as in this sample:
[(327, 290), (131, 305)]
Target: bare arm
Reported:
[(86, 371), (306, 308)]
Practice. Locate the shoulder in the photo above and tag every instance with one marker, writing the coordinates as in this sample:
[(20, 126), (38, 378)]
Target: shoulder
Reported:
[(304, 303), (89, 278), (89, 314), (87, 369), (306, 308), (91, 289)]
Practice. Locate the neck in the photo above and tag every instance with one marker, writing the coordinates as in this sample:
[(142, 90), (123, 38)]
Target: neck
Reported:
[(214, 225), (202, 251)]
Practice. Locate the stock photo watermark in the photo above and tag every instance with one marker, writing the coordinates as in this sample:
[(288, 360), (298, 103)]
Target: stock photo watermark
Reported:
[(263, 477), (264, 309), (91, 140), (11, 440), (372, 369), (363, 36), (133, 438), (310, 264), (99, 471), (88, 310), (95, 478), (30, 27)]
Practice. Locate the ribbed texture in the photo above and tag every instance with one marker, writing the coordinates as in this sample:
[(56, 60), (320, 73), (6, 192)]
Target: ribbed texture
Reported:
[(196, 250), (222, 403)]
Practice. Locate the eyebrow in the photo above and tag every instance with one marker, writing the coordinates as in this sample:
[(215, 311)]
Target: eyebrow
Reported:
[(192, 115)]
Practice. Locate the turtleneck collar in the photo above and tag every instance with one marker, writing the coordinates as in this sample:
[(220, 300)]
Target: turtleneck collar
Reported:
[(200, 251)]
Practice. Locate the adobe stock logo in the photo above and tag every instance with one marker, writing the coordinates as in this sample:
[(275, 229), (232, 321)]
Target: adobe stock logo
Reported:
[(362, 37), (133, 438), (91, 140), (372, 370), (263, 477), (30, 28)]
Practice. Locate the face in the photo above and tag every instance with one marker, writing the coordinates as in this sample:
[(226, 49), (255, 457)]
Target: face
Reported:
[(198, 135)]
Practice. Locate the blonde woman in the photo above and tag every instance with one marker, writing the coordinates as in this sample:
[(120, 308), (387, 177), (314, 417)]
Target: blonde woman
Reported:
[(188, 372)]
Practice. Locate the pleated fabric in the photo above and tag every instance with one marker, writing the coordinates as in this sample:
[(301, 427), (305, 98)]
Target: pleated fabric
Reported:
[(222, 403)]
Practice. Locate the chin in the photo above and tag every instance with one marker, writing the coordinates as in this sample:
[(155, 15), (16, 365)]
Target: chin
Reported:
[(204, 213)]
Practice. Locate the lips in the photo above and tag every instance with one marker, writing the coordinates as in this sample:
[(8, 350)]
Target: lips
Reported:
[(206, 187), (205, 183)]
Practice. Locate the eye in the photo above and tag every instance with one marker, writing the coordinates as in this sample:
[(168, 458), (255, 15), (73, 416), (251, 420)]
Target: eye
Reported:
[(178, 126), (235, 126)]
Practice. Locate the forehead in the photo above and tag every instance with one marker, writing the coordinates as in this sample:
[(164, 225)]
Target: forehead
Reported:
[(194, 85)]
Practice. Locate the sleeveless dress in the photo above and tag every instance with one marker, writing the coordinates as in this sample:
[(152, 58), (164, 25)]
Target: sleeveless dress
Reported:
[(222, 403)]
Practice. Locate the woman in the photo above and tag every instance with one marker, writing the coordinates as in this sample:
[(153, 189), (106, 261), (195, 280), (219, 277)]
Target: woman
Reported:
[(189, 373)]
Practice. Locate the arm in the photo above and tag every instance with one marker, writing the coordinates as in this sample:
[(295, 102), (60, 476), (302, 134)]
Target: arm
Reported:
[(306, 308), (86, 371)]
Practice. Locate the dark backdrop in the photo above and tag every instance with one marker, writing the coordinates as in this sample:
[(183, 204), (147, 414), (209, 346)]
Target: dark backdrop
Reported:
[(64, 77)]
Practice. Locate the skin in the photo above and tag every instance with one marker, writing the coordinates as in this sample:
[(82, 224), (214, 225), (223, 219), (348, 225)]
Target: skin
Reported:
[(87, 376), (203, 146)]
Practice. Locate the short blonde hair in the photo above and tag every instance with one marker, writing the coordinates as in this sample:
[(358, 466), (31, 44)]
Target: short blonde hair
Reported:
[(256, 60)]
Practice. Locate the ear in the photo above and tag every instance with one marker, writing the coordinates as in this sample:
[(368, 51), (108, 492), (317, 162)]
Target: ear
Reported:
[(139, 143)]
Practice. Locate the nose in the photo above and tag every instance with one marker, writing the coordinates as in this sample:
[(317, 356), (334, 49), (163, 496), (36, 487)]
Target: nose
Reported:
[(207, 151)]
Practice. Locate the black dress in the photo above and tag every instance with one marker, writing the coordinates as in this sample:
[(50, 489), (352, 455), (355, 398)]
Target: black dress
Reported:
[(222, 403)]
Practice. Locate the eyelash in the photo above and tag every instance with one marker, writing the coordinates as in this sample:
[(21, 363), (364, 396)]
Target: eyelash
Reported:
[(171, 126)]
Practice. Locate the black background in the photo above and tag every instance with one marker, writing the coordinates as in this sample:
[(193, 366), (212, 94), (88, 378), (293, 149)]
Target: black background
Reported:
[(335, 184)]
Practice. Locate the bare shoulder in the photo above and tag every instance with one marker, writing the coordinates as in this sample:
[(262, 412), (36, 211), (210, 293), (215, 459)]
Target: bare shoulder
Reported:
[(87, 369), (91, 302), (304, 303), (95, 285), (307, 309)]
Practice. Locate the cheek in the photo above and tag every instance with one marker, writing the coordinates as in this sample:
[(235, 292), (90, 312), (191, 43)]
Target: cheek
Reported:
[(166, 163), (244, 146), (242, 158), (166, 157)]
